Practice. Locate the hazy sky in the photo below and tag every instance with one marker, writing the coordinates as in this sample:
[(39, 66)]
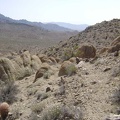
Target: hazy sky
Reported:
[(71, 11)]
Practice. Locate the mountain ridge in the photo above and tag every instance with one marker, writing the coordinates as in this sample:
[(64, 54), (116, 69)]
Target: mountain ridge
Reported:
[(78, 27), (21, 34), (98, 35), (50, 27)]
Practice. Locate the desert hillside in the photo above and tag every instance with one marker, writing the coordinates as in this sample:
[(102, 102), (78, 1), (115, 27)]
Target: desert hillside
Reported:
[(99, 35), (14, 37), (77, 79)]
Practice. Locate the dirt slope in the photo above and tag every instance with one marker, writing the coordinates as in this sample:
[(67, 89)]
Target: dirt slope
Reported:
[(91, 89)]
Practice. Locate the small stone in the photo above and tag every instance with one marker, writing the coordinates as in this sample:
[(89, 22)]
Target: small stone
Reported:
[(48, 89), (106, 69), (94, 82), (50, 83), (116, 53)]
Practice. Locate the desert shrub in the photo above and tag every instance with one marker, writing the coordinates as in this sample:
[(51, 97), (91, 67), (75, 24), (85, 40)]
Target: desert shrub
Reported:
[(46, 75), (8, 92), (51, 113), (37, 107), (61, 112), (75, 47), (116, 71), (78, 53), (42, 96), (71, 112), (60, 91), (67, 54), (116, 97), (71, 69), (33, 116), (115, 100), (32, 91), (15, 114)]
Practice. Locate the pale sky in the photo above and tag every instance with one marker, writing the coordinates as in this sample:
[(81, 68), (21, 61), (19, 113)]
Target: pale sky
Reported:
[(70, 11)]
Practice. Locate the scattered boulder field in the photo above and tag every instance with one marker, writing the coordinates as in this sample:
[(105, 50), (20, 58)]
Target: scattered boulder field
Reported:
[(74, 80)]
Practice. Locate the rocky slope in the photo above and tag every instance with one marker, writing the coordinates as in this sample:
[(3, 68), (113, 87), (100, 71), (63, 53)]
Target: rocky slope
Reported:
[(91, 93), (99, 35), (84, 87)]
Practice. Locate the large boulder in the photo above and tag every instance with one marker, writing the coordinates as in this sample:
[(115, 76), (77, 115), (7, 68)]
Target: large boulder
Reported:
[(86, 51), (35, 62), (53, 60), (113, 117), (115, 45), (72, 59), (21, 71), (103, 50), (40, 73), (7, 70), (114, 48), (26, 57), (44, 58), (67, 68)]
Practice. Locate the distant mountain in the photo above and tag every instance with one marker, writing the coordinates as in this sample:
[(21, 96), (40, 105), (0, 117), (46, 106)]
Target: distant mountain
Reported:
[(49, 26), (22, 34), (72, 26)]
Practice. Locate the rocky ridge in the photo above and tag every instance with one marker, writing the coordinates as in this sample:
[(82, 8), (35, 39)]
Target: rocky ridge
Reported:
[(99, 35)]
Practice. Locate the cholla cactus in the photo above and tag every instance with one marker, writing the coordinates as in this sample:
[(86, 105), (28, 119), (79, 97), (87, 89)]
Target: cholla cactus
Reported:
[(4, 109)]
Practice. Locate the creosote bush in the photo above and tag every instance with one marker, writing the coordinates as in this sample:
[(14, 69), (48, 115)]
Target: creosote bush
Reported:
[(8, 92)]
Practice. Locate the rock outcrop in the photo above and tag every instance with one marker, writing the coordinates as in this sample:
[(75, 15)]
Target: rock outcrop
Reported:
[(35, 62), (7, 70), (44, 68), (114, 48), (116, 41), (86, 51)]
